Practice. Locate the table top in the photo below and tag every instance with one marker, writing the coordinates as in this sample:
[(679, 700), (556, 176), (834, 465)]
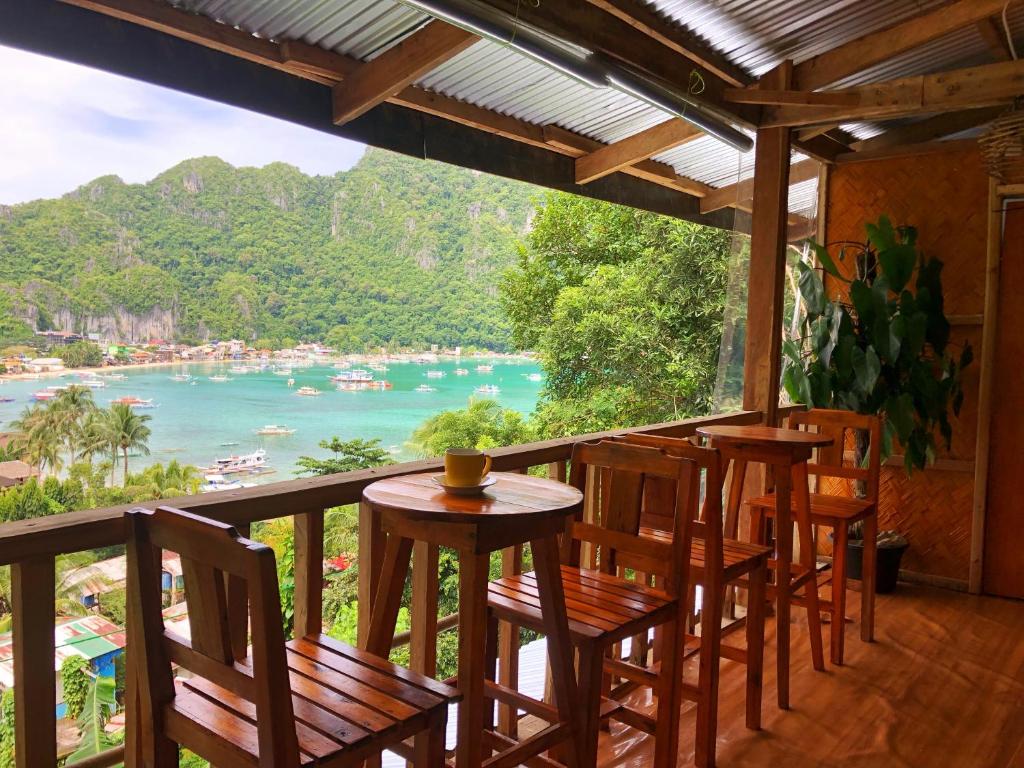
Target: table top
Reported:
[(760, 435), (513, 497)]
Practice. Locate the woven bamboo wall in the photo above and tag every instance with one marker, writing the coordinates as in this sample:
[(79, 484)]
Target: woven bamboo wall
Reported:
[(944, 196)]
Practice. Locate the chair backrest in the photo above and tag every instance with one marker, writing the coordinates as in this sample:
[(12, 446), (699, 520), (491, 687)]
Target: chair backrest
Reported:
[(622, 476), (844, 427), (223, 572)]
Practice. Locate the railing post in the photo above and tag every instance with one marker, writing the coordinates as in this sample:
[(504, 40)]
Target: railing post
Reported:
[(371, 558), (309, 574), (35, 682)]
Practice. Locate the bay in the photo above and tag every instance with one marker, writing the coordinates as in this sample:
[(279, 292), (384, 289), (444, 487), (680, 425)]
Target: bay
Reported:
[(195, 424)]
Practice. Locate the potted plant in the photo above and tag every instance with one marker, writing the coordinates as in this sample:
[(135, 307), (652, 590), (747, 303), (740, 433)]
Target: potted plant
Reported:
[(879, 347)]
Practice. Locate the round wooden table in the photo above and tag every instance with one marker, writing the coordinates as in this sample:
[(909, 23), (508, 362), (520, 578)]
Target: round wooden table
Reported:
[(515, 510), (788, 450)]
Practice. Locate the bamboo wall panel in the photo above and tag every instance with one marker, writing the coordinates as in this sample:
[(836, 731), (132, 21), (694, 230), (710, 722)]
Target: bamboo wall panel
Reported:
[(944, 196)]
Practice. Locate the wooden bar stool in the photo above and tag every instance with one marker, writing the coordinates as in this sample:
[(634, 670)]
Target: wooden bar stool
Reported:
[(515, 510), (787, 450), (310, 701), (716, 563), (840, 512), (604, 609)]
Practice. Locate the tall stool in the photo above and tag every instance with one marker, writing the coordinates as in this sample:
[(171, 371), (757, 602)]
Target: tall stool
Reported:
[(840, 512), (515, 510), (787, 450)]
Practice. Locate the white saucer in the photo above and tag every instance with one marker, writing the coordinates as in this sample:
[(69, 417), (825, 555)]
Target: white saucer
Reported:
[(465, 490)]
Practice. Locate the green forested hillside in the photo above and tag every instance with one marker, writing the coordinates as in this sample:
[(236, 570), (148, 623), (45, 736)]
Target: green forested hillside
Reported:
[(396, 250)]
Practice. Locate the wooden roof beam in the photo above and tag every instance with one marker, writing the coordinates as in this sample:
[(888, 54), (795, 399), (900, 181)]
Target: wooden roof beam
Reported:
[(640, 146), (928, 129), (876, 47), (993, 33), (956, 90), (401, 65), (741, 194)]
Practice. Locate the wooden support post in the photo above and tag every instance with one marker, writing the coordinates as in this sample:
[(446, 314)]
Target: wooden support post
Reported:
[(762, 358), (371, 557), (309, 573), (423, 643), (988, 352), (35, 726)]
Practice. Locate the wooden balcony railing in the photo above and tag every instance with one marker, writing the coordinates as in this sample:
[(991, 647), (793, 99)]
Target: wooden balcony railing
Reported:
[(31, 546)]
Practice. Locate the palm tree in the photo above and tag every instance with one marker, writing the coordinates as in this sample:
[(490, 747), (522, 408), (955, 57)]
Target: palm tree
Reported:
[(39, 437), (126, 430), (167, 482), (71, 410)]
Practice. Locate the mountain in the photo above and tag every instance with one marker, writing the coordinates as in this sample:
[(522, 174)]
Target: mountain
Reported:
[(394, 251)]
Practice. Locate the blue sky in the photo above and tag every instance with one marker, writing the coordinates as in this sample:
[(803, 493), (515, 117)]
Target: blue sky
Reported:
[(63, 125)]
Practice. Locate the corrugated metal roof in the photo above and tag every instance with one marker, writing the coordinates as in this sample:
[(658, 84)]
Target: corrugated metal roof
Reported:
[(753, 34)]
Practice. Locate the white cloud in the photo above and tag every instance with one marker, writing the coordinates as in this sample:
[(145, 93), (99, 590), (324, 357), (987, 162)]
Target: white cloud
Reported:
[(63, 125)]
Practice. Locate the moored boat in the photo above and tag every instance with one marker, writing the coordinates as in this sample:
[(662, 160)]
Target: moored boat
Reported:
[(534, 377), (435, 374), (355, 375), (219, 379), (425, 388), (254, 463), (307, 391), (462, 372), (484, 368), (275, 429), (487, 389), (133, 402)]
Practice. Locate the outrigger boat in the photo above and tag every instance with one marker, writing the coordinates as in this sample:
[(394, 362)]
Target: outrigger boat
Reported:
[(462, 372), (134, 402), (435, 374), (246, 463), (355, 375), (484, 368), (425, 388), (219, 379), (307, 391), (488, 389), (275, 429)]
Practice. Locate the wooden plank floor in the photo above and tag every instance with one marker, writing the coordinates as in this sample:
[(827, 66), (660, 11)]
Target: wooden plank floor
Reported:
[(942, 687)]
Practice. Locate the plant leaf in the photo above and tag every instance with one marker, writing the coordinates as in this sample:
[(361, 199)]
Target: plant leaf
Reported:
[(825, 259), (811, 289), (866, 367), (881, 235), (863, 299), (897, 265), (100, 704)]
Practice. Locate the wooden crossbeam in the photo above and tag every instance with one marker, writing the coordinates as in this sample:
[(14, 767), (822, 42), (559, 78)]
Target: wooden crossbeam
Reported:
[(642, 17), (792, 98), (928, 129), (741, 194), (876, 47), (399, 66), (640, 146), (958, 89)]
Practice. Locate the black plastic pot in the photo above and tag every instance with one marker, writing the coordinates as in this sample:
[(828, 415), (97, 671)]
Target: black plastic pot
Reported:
[(887, 569)]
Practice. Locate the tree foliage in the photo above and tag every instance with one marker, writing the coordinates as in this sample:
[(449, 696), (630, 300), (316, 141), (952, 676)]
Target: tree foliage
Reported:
[(347, 456), (100, 704), (396, 251), (880, 348), (81, 354), (625, 310), (482, 424), (74, 683)]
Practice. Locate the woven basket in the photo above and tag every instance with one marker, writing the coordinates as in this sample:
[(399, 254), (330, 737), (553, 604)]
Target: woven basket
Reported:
[(1002, 145)]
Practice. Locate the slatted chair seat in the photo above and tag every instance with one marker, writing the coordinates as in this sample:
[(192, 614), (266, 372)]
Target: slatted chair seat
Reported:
[(309, 701), (345, 701), (824, 508), (599, 606), (739, 557)]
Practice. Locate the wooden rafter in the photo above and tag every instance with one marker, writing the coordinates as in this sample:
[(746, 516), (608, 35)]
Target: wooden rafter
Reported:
[(401, 65), (994, 35), (958, 89), (876, 47), (642, 17), (640, 146), (741, 194), (792, 98), (928, 129)]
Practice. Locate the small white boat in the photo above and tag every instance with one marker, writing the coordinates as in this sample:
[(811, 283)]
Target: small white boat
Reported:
[(182, 377), (115, 376), (291, 382), (217, 482), (462, 372), (244, 463), (356, 375), (275, 429), (535, 377), (239, 370), (219, 379), (94, 383), (487, 389), (435, 374), (484, 368), (377, 367), (134, 402), (283, 371), (307, 391), (425, 388)]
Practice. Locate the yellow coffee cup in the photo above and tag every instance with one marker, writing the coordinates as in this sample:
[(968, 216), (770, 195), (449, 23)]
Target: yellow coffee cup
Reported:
[(465, 467)]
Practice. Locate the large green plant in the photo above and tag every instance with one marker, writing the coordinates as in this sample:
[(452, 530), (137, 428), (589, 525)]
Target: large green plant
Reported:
[(880, 347), (100, 703)]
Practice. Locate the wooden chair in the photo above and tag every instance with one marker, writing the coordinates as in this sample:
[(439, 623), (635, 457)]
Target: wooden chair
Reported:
[(310, 701), (716, 564), (839, 512), (604, 609)]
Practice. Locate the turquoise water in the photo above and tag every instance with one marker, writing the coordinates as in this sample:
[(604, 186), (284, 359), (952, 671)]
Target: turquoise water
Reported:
[(191, 423)]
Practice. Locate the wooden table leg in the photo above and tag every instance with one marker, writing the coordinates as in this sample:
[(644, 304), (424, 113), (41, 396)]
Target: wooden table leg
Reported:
[(784, 560), (473, 569), (397, 552), (809, 560), (556, 628)]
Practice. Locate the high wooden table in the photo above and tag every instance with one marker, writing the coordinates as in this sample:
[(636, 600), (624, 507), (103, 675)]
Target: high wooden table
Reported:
[(515, 510), (788, 450)]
